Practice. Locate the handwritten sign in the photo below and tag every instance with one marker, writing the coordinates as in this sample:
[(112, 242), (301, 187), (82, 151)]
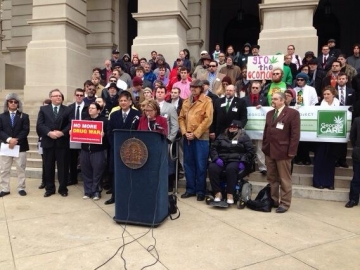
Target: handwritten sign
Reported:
[(86, 131), (260, 67)]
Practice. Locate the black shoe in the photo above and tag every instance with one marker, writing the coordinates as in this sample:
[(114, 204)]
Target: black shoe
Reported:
[(319, 187), (42, 186), (307, 162), (110, 191), (48, 194), (263, 172), (337, 164), (70, 183), (187, 195), (4, 193), (200, 197), (343, 164), (331, 188), (351, 204), (63, 194), (22, 192), (110, 201), (280, 210), (181, 175)]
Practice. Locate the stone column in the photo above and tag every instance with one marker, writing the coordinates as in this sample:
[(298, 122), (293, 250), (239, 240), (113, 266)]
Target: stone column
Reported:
[(162, 26), (57, 56), (6, 28), (198, 35), (100, 21), (287, 22)]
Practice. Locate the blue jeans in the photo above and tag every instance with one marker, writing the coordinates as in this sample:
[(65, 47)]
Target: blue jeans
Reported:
[(196, 153)]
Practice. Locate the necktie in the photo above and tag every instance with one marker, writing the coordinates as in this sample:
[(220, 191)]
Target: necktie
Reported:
[(255, 101), (77, 114), (124, 117), (211, 78), (55, 112), (342, 96), (227, 104), (275, 115), (12, 117)]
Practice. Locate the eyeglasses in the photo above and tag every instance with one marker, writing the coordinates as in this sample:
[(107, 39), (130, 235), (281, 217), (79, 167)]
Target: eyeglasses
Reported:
[(276, 74), (212, 66), (79, 95), (56, 96), (300, 80), (13, 101)]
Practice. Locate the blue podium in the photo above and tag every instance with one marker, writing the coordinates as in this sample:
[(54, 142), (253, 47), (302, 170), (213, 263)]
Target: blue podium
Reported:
[(141, 177)]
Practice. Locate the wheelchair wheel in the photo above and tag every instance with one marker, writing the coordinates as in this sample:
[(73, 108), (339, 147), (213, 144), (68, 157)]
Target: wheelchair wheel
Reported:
[(246, 191), (209, 199), (240, 204)]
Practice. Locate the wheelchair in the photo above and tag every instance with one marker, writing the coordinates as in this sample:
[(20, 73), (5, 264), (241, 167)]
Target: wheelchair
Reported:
[(242, 192)]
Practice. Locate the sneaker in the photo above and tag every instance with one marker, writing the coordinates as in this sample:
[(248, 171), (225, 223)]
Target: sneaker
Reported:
[(230, 199), (96, 198), (217, 197), (86, 197)]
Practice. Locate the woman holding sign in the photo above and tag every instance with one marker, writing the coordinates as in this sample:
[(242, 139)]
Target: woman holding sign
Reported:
[(93, 155), (324, 159)]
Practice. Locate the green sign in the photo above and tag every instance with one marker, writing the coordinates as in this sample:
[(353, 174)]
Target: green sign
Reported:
[(331, 124)]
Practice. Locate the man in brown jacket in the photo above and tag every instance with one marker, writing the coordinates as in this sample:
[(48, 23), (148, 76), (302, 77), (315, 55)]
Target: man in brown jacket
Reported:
[(195, 118), (280, 142)]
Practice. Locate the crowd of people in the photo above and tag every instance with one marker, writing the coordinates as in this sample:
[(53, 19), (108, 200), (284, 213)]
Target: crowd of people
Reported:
[(204, 104)]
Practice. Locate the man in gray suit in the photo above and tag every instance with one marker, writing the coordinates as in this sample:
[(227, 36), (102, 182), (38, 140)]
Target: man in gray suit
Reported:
[(168, 111)]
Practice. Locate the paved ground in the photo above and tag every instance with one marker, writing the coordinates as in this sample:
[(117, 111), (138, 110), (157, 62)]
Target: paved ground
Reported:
[(72, 233)]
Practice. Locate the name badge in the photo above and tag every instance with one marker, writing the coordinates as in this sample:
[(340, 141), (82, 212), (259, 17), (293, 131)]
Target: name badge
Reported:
[(280, 125), (223, 105), (234, 109), (234, 141)]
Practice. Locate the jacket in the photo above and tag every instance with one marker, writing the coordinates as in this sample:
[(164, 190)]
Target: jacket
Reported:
[(228, 151), (196, 117)]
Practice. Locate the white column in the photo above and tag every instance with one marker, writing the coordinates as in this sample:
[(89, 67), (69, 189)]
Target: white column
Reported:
[(101, 22), (57, 56), (287, 22), (162, 26)]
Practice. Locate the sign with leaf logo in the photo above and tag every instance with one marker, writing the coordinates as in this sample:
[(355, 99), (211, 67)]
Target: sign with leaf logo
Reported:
[(331, 124), (260, 67)]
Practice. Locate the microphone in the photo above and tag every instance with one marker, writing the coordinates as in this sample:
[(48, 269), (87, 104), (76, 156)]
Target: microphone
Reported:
[(135, 119)]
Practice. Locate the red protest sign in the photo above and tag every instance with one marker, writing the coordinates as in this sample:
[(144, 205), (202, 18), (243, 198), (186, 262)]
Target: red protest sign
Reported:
[(83, 131)]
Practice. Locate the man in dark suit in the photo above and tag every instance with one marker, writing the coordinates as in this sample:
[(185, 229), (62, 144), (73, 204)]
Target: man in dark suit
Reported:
[(325, 59), (53, 124), (226, 110), (77, 111), (176, 100), (14, 129), (208, 93), (346, 96), (280, 141), (126, 118)]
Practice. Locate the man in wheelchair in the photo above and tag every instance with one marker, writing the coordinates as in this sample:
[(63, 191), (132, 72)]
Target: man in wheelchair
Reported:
[(231, 152)]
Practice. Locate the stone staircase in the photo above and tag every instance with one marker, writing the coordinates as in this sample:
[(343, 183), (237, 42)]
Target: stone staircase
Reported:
[(302, 174)]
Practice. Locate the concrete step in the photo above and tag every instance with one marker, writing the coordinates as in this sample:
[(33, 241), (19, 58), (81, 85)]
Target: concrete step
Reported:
[(298, 191), (307, 192), (34, 162), (33, 139), (33, 154), (304, 179), (29, 172), (308, 169)]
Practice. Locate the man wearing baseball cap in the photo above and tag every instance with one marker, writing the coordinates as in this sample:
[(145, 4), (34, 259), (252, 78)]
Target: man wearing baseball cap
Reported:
[(333, 51)]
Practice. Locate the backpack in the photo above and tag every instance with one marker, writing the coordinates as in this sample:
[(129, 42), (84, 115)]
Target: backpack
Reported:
[(263, 201)]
